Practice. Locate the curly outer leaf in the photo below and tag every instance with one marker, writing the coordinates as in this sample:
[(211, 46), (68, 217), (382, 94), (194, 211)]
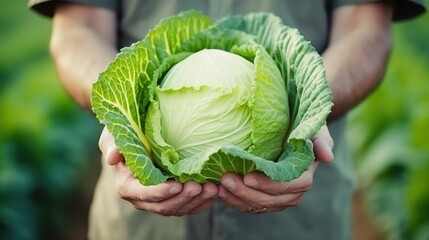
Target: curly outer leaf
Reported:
[(287, 112)]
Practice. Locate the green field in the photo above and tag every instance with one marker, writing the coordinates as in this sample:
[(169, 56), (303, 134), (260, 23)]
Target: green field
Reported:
[(49, 156), (48, 146)]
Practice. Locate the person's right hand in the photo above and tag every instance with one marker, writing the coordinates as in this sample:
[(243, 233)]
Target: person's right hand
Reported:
[(170, 198)]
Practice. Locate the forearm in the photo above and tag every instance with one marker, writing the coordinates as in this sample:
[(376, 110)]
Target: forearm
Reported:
[(80, 51), (357, 57), (354, 68)]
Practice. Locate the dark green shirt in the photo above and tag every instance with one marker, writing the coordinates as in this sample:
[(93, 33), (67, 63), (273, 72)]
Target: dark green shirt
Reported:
[(323, 213)]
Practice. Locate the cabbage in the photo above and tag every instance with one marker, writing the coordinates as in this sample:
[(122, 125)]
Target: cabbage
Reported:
[(213, 87), (197, 98)]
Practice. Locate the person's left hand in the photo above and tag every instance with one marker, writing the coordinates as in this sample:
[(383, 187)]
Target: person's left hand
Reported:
[(257, 193)]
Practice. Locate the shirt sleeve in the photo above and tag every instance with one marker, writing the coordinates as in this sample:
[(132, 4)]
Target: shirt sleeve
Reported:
[(47, 7), (402, 9), (407, 9)]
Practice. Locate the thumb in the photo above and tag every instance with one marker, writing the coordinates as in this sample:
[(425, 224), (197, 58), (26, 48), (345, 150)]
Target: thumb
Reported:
[(323, 145), (109, 149)]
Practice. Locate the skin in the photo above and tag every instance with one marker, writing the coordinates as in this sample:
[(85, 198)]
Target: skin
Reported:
[(84, 41), (355, 62)]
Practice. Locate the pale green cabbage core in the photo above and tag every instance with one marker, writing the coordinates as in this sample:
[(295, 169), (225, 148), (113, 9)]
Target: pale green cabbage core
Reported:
[(204, 102)]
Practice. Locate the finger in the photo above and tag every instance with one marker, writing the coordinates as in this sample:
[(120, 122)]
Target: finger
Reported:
[(261, 182), (254, 197), (323, 145), (171, 206), (266, 192), (231, 200), (109, 149), (202, 201), (129, 188), (165, 198)]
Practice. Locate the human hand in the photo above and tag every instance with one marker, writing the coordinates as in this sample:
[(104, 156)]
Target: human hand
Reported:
[(170, 198), (257, 193)]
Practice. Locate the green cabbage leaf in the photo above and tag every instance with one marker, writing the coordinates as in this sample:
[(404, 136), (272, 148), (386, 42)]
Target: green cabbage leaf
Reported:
[(264, 123)]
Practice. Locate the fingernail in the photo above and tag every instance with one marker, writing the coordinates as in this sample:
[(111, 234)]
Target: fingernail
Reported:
[(208, 195), (251, 183), (328, 149), (193, 193), (229, 183), (174, 190), (221, 194), (109, 151)]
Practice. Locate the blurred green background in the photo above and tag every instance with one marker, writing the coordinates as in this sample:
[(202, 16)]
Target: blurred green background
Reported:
[(48, 146), (49, 158)]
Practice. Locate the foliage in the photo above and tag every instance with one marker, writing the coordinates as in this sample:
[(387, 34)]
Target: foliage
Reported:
[(389, 137), (44, 137)]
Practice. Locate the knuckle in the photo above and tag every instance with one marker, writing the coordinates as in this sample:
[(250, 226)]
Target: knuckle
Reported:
[(248, 209), (285, 188), (142, 197), (301, 186), (121, 191), (266, 203), (295, 201), (306, 188), (165, 211), (138, 207), (169, 213), (307, 185), (176, 213)]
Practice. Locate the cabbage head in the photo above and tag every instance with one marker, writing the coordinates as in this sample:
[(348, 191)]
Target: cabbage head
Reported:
[(197, 98)]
